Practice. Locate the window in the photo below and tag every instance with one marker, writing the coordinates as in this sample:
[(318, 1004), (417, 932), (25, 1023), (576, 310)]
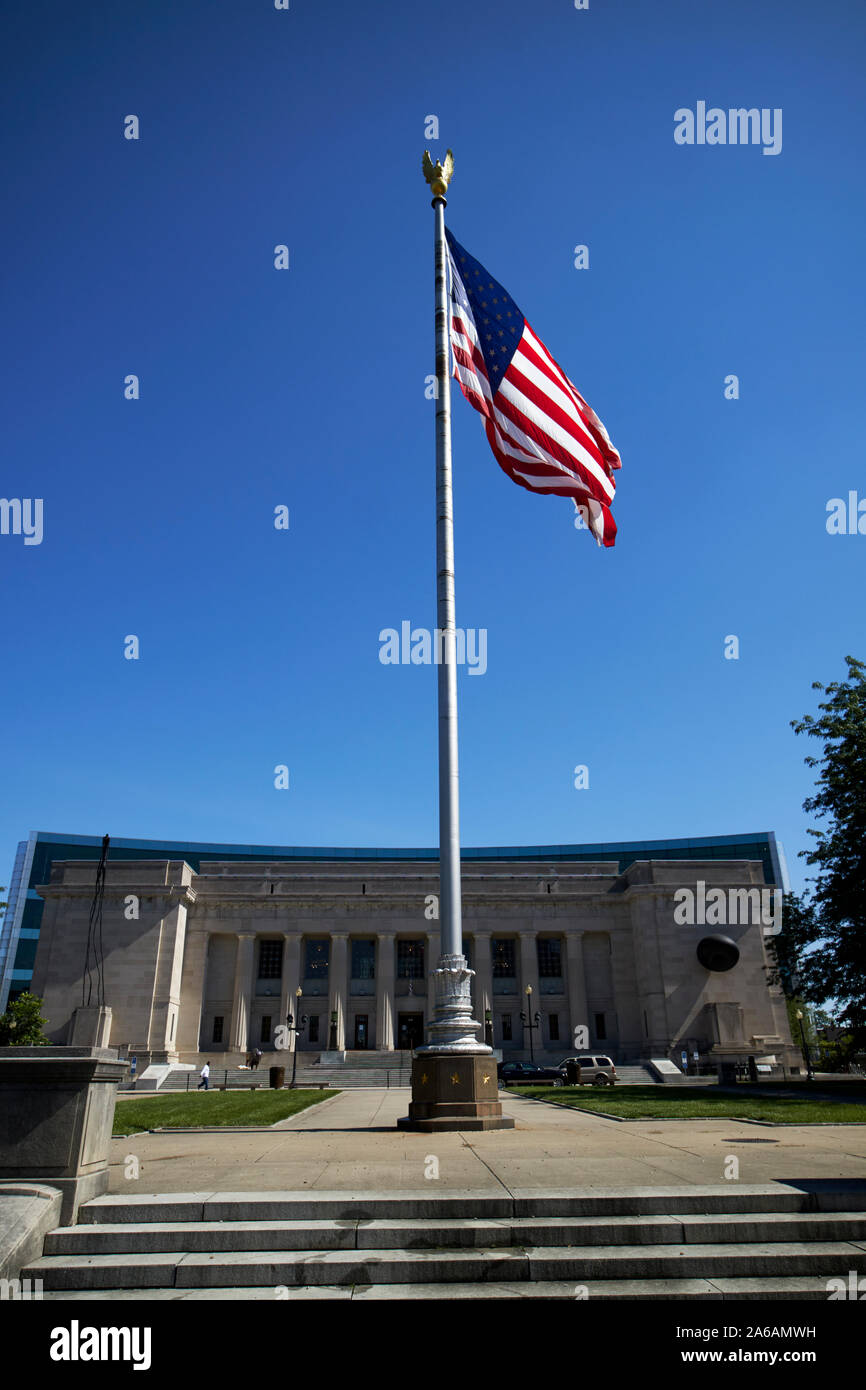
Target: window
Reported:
[(363, 960), (503, 952), (467, 951), (270, 960), (314, 1028), (218, 1028), (410, 960), (553, 1025), (506, 1027), (316, 960), (266, 1028), (600, 1030), (549, 957)]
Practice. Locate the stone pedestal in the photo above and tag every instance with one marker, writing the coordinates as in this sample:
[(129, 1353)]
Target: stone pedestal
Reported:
[(454, 1076), (56, 1114), (454, 1092), (90, 1027)]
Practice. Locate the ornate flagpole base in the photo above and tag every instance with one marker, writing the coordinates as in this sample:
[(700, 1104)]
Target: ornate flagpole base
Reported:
[(454, 1084)]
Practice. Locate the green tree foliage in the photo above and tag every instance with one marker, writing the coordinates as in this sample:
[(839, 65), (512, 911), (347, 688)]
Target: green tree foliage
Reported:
[(22, 1023), (790, 954), (833, 922)]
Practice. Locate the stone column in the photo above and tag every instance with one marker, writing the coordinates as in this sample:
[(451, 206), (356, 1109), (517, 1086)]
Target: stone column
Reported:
[(244, 966), (432, 952), (658, 1037), (385, 992), (577, 1006), (483, 967), (165, 1008), (192, 990), (529, 976), (338, 986), (290, 982)]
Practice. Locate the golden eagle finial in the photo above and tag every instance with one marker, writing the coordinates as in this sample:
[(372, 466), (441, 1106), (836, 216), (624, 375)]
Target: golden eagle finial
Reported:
[(438, 175)]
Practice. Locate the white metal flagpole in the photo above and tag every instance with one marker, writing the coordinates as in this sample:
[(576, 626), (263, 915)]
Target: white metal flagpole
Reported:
[(453, 1028)]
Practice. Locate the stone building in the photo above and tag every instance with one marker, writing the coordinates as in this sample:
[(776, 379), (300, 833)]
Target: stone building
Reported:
[(208, 957)]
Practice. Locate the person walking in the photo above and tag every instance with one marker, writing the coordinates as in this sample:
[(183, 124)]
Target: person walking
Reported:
[(257, 1057), (205, 1077)]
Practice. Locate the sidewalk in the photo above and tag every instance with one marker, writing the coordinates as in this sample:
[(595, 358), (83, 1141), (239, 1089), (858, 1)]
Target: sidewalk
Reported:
[(349, 1143)]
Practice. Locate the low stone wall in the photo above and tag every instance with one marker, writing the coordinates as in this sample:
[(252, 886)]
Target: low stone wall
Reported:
[(56, 1114), (27, 1212)]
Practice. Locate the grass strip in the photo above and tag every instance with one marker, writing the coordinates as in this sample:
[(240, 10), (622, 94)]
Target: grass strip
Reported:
[(661, 1103), (212, 1108)]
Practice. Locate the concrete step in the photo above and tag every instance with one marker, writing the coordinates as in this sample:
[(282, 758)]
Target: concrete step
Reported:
[(773, 1240), (341, 1078), (639, 1076), (796, 1288), (443, 1233), (205, 1269), (847, 1197)]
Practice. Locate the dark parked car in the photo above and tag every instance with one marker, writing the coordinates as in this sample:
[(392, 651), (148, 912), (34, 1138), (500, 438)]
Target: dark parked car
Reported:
[(528, 1074)]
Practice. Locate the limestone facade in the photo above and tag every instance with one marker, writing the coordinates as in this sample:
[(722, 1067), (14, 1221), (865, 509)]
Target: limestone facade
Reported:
[(206, 964)]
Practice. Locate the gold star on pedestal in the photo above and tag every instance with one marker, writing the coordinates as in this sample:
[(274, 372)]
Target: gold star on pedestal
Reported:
[(485, 1080), (424, 1079), (455, 1079)]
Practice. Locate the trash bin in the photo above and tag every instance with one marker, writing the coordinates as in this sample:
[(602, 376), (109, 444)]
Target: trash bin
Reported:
[(572, 1073), (728, 1074), (277, 1077)]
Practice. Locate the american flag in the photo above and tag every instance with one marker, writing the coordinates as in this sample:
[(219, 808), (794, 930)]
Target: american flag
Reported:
[(541, 430)]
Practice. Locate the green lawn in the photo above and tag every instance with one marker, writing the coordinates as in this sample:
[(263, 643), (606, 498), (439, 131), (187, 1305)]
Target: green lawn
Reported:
[(212, 1108), (845, 1102)]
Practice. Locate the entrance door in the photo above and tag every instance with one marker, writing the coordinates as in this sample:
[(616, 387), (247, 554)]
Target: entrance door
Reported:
[(361, 1032), (410, 1031)]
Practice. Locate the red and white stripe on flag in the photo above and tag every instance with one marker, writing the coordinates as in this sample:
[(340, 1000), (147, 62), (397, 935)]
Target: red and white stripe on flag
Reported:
[(541, 430)]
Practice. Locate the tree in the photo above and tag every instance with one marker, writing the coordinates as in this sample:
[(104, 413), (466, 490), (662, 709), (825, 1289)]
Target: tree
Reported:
[(834, 921), (791, 963), (22, 1023)]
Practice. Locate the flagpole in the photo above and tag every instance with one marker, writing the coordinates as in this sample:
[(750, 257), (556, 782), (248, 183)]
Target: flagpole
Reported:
[(454, 1083), (450, 905), (452, 1028)]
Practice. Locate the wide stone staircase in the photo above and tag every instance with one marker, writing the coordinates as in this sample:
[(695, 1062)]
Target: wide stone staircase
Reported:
[(773, 1241), (386, 1069), (360, 1069)]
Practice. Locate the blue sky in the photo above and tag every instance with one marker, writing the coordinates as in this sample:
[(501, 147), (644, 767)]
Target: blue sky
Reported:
[(306, 388)]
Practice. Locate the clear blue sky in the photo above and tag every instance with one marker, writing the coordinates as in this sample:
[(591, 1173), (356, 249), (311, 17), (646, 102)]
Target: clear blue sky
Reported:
[(306, 388)]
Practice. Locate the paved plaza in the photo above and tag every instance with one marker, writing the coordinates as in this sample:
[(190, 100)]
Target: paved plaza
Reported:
[(350, 1143)]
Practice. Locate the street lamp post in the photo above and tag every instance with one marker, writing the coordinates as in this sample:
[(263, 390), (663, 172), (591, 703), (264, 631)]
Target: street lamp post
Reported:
[(297, 1030), (806, 1053), (527, 1020)]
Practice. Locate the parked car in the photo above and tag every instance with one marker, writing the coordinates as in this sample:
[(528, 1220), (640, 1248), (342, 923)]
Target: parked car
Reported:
[(596, 1070), (528, 1074)]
